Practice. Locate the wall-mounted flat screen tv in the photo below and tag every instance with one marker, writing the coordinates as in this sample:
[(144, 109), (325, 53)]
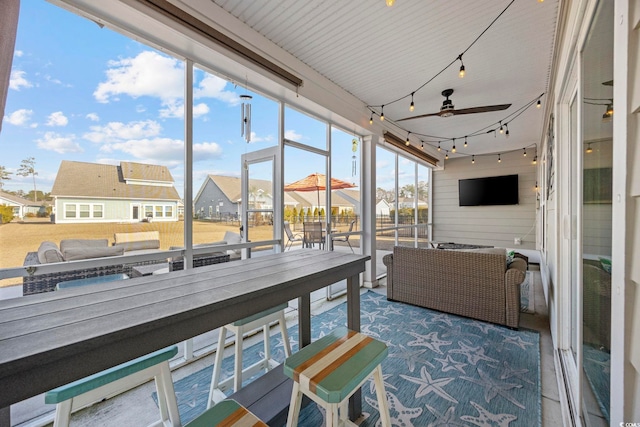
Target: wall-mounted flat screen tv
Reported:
[(491, 190)]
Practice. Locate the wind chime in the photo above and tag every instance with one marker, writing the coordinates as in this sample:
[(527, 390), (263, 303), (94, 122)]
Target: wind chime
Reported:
[(354, 149), (245, 112)]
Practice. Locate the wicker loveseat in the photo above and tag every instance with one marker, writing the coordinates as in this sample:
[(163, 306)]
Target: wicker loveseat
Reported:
[(474, 284)]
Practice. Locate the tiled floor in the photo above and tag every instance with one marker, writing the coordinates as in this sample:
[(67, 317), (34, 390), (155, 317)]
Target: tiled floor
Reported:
[(138, 405)]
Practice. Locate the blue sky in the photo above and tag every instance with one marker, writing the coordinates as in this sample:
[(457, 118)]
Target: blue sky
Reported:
[(84, 93)]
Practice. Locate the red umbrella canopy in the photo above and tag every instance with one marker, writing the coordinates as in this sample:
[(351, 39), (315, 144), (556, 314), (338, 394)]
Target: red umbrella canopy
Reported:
[(316, 182)]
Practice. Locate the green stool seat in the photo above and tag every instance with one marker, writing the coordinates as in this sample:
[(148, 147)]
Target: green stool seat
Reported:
[(227, 413), (331, 369), (101, 385)]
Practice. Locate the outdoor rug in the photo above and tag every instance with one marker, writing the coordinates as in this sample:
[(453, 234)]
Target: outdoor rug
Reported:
[(441, 369), (527, 289), (597, 367)]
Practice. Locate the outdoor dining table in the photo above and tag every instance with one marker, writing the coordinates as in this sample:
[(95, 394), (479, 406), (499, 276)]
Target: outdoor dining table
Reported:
[(48, 340)]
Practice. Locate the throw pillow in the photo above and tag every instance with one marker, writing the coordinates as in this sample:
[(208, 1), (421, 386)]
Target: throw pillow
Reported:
[(78, 253), (48, 252), (510, 256), (232, 239)]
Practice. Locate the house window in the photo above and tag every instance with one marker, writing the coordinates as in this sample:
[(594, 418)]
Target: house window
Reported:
[(70, 211), (168, 211), (97, 211), (84, 211), (158, 211), (148, 211)]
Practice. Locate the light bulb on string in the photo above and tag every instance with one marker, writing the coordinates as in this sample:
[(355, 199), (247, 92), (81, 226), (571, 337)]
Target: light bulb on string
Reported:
[(453, 149), (462, 72), (371, 119), (525, 152), (536, 185), (535, 159), (506, 132), (473, 159), (589, 150), (439, 146), (390, 2), (407, 142), (412, 106), (446, 157), (499, 159), (382, 113), (501, 128), (465, 142), (421, 144), (538, 104)]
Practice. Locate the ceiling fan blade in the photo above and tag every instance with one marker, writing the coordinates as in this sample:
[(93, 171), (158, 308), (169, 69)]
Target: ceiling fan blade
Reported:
[(485, 109), (419, 117)]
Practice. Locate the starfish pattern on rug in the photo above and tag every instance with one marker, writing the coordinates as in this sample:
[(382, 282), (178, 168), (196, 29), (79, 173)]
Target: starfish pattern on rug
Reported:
[(484, 327), (517, 341), (457, 332), (473, 354), (191, 396), (509, 372), (400, 415), (387, 385), (431, 341), (442, 317), (376, 299), (410, 356), (372, 316), (449, 364), (429, 385), (494, 388), (448, 419), (486, 418)]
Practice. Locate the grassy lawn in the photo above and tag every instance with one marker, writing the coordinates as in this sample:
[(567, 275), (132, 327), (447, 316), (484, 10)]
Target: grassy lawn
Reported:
[(16, 239)]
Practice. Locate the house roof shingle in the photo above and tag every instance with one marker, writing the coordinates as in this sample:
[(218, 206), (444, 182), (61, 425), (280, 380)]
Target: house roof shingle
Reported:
[(94, 180), (17, 199)]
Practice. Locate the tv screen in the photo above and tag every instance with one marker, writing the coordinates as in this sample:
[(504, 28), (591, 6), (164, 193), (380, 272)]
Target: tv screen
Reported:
[(492, 190)]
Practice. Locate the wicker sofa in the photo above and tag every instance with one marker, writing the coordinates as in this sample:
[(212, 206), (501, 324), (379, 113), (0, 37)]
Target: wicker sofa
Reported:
[(474, 283), (79, 249)]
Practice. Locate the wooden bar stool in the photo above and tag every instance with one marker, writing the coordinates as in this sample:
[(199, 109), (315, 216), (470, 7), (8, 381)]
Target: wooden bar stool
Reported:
[(239, 328), (331, 369), (112, 381), (227, 413)]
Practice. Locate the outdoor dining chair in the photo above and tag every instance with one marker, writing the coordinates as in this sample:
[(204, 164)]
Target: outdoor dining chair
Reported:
[(313, 234), (291, 236), (344, 239)]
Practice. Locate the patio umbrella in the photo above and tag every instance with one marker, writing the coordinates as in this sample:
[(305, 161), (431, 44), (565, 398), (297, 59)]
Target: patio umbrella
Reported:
[(316, 182)]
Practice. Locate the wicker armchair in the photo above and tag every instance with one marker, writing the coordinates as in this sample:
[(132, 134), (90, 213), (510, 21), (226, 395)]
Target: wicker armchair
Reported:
[(470, 284)]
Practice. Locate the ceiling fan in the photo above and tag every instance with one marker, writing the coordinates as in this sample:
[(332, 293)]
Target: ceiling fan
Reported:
[(448, 109)]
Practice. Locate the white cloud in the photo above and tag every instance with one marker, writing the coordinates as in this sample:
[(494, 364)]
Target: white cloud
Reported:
[(175, 110), (256, 138), (93, 117), (118, 131), (19, 117), (148, 74), (200, 109), (57, 119), (206, 151), (18, 53), (213, 87), (164, 150), (18, 80), (292, 135), (60, 144)]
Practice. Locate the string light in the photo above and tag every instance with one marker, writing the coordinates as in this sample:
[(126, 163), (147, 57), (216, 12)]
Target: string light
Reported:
[(407, 142), (382, 114), (412, 106), (439, 146), (462, 72), (536, 185), (391, 2), (589, 149), (446, 157), (538, 104), (473, 159), (501, 128), (525, 152), (499, 159), (506, 132), (453, 149), (465, 141), (371, 119), (421, 144), (535, 159)]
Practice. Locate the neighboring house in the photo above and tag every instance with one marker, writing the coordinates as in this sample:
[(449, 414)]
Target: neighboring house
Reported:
[(221, 195), (409, 202), (20, 206), (383, 208), (130, 192)]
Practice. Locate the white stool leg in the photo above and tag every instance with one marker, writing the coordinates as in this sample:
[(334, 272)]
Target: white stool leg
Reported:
[(237, 376), (267, 346), (217, 366), (164, 387), (294, 406), (284, 334), (63, 413), (332, 415), (383, 406)]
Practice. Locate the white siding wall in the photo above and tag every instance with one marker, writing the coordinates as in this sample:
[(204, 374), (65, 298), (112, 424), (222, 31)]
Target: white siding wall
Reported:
[(485, 225)]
